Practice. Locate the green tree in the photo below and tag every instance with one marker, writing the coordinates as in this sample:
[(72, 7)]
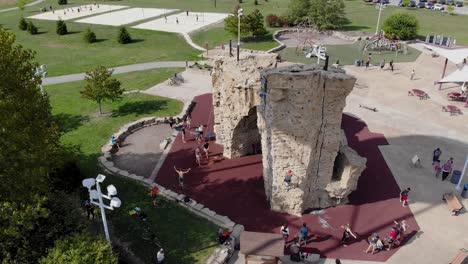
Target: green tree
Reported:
[(450, 9), (405, 3), (62, 2), (31, 28), (124, 37), (61, 27), (326, 14), (29, 138), (21, 4), (255, 23), (401, 25), (255, 2), (89, 36), (23, 25), (298, 11), (81, 248), (101, 87), (230, 23)]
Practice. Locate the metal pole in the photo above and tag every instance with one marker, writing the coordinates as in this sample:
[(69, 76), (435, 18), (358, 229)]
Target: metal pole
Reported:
[(378, 19), (103, 213), (238, 36), (230, 48), (443, 73), (463, 173)]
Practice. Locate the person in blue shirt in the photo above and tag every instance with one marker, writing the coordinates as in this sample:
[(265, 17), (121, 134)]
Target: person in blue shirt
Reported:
[(303, 233)]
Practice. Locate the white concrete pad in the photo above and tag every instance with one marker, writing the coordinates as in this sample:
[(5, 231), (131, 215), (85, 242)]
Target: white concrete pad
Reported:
[(72, 12), (181, 23), (126, 16)]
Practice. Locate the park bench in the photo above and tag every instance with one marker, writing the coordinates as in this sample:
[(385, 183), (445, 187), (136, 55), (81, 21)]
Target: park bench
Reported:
[(461, 257), (419, 93), (456, 96), (453, 202)]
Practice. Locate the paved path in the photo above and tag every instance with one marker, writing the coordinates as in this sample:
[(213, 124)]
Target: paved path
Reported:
[(14, 8), (120, 69)]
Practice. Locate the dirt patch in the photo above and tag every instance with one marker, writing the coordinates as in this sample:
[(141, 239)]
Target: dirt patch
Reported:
[(7, 2), (294, 39)]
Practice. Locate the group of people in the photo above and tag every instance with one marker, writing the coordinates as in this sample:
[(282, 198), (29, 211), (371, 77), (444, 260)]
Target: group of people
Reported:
[(445, 169), (376, 243), (381, 64)]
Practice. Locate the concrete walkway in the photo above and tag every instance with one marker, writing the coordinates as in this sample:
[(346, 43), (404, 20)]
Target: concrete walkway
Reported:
[(14, 8), (120, 69)]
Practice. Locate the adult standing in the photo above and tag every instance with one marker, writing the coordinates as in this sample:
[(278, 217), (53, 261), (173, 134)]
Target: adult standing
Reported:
[(160, 256), (404, 196), (347, 233), (436, 155), (447, 169), (206, 147), (181, 174), (285, 232), (154, 194), (382, 64), (303, 234), (198, 156), (188, 120), (391, 65), (182, 132), (413, 72), (89, 209)]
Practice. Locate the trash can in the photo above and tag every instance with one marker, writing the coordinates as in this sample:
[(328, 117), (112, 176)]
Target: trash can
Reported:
[(357, 63), (455, 176), (464, 193)]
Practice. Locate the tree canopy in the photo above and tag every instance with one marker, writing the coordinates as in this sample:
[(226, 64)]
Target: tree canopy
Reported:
[(323, 14), (251, 25), (101, 87), (401, 25)]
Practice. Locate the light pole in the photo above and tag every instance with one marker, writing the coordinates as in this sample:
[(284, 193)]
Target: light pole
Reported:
[(97, 195), (380, 7), (41, 71), (463, 173), (240, 13)]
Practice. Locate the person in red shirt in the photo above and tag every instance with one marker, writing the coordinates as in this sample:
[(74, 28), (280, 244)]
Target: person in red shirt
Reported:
[(154, 194)]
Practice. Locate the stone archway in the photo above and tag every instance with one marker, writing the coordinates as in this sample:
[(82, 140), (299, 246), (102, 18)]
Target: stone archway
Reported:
[(245, 136)]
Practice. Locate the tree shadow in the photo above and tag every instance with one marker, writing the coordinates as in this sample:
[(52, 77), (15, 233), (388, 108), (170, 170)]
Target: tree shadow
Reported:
[(353, 28), (139, 108), (69, 122), (100, 40), (73, 32), (136, 41), (41, 32)]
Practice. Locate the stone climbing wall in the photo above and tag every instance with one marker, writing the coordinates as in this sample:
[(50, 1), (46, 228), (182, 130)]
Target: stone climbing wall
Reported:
[(299, 110)]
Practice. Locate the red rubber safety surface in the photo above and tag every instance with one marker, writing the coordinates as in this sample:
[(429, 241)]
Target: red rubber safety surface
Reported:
[(234, 187)]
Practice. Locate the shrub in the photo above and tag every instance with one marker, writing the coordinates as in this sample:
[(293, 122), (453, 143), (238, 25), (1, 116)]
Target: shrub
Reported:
[(61, 27), (89, 36), (23, 25), (401, 25), (124, 36), (272, 20), (256, 2), (283, 21), (62, 2), (32, 29)]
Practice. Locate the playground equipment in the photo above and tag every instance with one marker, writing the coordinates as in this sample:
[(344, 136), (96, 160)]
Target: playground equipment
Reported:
[(380, 42), (317, 51), (309, 41)]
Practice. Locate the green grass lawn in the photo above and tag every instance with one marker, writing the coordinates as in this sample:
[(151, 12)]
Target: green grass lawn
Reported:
[(70, 54), (142, 80), (187, 238), (348, 53), (216, 35)]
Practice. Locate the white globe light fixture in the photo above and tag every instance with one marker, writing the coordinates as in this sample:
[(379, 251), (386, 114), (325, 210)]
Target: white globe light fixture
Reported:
[(95, 197)]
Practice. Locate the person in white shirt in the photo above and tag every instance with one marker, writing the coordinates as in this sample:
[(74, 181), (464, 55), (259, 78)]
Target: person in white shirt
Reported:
[(160, 256)]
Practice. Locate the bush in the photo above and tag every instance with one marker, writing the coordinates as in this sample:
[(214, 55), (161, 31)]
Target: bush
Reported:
[(61, 27), (23, 25), (62, 2), (283, 21), (124, 36), (32, 29), (255, 2), (401, 25), (272, 20), (89, 36)]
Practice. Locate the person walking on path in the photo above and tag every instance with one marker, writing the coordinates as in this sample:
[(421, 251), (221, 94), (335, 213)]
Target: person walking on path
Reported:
[(182, 133), (347, 233), (160, 256), (436, 155), (413, 72), (447, 169), (181, 174), (404, 196), (437, 168), (177, 20), (206, 147), (188, 120), (154, 194), (200, 129), (89, 209), (198, 156), (303, 234), (288, 179), (382, 64), (367, 64), (285, 232), (391, 65)]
